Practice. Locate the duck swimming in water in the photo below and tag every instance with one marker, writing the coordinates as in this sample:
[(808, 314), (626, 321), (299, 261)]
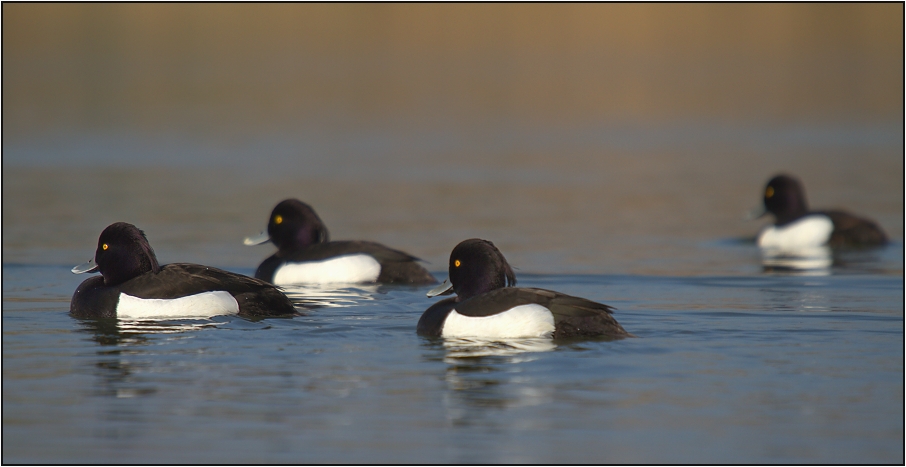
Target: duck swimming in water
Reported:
[(797, 227), (487, 305), (306, 256), (133, 285)]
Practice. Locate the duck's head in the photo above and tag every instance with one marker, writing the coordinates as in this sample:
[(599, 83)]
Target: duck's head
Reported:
[(292, 225), (123, 252), (476, 267), (785, 199)]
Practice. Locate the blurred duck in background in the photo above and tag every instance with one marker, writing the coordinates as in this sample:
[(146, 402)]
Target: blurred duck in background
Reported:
[(801, 240), (795, 226)]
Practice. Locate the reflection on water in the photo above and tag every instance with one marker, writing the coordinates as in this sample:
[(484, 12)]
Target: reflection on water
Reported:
[(469, 396), (824, 261), (484, 374), (126, 332), (807, 261), (159, 327), (118, 358), (730, 367), (327, 295), (489, 375), (458, 348)]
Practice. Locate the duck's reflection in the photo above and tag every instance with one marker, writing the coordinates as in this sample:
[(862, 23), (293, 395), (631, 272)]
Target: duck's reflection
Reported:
[(810, 298), (326, 295), (128, 333), (806, 261), (121, 347), (823, 260), (483, 374), (459, 348)]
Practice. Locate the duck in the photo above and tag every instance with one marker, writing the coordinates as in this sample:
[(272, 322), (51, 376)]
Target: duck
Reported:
[(133, 285), (796, 226), (487, 304), (305, 255)]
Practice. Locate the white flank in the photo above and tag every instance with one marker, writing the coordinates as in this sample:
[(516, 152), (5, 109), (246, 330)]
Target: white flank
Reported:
[(203, 305), (350, 268), (521, 321), (810, 231)]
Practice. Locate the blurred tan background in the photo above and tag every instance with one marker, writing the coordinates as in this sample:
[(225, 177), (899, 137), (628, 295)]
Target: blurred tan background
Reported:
[(592, 134), (280, 65)]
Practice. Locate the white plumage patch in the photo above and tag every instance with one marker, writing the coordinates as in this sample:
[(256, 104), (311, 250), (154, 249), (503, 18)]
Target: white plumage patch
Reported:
[(810, 231), (522, 321), (202, 305), (349, 268)]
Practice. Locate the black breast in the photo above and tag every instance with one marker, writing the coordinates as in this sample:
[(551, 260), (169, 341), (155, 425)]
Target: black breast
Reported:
[(92, 299), (432, 321)]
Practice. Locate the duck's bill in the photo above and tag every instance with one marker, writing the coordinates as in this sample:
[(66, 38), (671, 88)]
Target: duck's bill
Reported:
[(90, 266), (446, 288), (257, 239), (755, 213)]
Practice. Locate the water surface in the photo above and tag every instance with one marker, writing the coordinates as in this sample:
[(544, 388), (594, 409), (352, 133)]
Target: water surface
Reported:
[(764, 369)]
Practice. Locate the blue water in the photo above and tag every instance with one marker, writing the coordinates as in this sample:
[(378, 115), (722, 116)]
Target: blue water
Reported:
[(732, 363), (756, 368)]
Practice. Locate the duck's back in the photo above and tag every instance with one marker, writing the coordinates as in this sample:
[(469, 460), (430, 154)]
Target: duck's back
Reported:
[(395, 266), (580, 317), (573, 316), (255, 297), (851, 230)]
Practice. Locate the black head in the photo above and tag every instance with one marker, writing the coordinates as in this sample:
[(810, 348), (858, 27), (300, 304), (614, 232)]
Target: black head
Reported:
[(476, 267), (294, 224), (785, 199), (123, 253)]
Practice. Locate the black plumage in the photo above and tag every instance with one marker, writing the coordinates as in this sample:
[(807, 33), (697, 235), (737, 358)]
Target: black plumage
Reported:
[(301, 236), (484, 284), (127, 264), (784, 197)]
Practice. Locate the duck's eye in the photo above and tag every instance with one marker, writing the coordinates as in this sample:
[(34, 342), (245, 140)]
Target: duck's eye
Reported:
[(278, 219), (456, 263), (104, 247), (769, 192)]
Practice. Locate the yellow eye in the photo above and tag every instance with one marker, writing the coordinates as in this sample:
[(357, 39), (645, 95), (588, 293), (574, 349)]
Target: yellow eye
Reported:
[(278, 219), (456, 263), (769, 192), (104, 247)]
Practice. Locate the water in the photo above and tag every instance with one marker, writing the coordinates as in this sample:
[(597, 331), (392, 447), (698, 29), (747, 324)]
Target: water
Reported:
[(609, 151), (765, 369)]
